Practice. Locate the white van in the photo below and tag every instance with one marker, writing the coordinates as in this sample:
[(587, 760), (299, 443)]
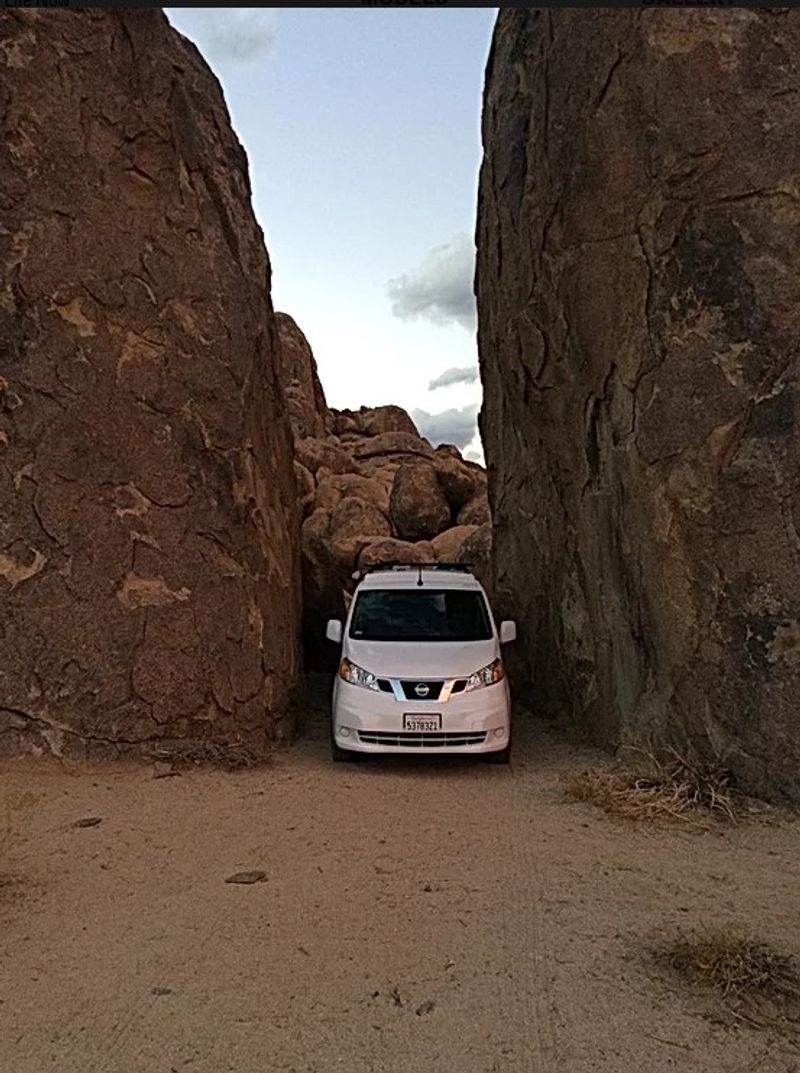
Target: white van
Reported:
[(420, 667)]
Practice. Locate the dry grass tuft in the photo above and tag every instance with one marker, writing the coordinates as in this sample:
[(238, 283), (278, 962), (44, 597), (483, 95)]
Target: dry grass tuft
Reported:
[(758, 986), (224, 756), (735, 965), (677, 791)]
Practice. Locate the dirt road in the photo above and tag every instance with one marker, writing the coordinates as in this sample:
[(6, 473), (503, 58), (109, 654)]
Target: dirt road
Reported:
[(415, 918)]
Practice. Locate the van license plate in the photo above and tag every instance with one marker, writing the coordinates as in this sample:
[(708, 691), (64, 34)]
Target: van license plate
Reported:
[(422, 724)]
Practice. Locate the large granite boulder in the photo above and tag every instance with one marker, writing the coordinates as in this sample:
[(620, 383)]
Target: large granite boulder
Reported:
[(317, 454), (392, 446), (322, 578), (418, 507), (297, 369), (374, 420), (355, 522), (447, 546), (333, 488), (638, 286), (461, 481), (476, 552), (475, 512), (148, 571), (306, 488), (392, 550)]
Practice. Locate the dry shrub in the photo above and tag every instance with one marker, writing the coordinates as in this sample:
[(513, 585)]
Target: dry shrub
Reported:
[(223, 755), (679, 791), (757, 984), (734, 964)]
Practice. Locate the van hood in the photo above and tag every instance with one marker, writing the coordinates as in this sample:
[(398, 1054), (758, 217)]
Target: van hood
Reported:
[(432, 659)]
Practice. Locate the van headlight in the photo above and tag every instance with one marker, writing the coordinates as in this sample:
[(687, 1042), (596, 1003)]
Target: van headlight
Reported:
[(357, 676), (486, 676)]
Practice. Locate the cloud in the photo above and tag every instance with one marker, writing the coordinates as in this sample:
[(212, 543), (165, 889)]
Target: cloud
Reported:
[(440, 289), (225, 36), (449, 377), (450, 426)]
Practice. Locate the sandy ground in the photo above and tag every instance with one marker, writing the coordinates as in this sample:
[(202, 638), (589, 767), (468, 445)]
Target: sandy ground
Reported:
[(416, 917)]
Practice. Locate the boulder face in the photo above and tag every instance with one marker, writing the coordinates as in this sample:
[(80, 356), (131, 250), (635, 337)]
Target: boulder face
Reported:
[(448, 545), (392, 550), (462, 482), (638, 284), (149, 576), (476, 549), (305, 399), (418, 506), (371, 490), (372, 421), (476, 511)]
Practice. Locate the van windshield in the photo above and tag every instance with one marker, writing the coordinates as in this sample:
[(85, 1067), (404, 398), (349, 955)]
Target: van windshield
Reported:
[(420, 615)]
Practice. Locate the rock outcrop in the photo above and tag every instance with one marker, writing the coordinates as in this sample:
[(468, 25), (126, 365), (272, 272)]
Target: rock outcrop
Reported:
[(418, 506), (638, 289), (297, 371), (371, 490), (149, 575)]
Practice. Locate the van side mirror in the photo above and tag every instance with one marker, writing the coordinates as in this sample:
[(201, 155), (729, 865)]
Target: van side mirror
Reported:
[(508, 632), (333, 631)]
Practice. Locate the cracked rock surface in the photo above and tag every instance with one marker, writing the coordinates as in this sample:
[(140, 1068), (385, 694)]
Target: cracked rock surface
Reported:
[(148, 564), (638, 286)]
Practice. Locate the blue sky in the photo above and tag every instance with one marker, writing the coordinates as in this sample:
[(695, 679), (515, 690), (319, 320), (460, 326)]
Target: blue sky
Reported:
[(362, 128)]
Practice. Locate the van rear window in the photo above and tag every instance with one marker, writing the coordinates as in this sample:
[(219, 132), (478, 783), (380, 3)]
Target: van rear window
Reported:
[(426, 615)]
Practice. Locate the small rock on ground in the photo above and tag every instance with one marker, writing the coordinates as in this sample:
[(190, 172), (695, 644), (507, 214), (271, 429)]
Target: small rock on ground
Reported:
[(163, 769), (247, 877)]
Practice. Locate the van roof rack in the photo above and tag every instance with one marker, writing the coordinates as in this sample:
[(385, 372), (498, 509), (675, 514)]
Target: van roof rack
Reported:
[(464, 568)]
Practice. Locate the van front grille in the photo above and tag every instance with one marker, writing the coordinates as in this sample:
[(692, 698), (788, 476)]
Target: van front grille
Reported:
[(419, 690), (409, 739)]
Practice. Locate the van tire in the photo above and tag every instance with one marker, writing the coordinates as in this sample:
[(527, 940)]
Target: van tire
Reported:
[(502, 756)]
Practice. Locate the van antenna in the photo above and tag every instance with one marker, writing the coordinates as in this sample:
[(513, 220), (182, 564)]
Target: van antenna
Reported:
[(419, 579)]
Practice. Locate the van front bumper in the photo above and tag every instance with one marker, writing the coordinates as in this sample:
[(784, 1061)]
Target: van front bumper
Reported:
[(367, 721)]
